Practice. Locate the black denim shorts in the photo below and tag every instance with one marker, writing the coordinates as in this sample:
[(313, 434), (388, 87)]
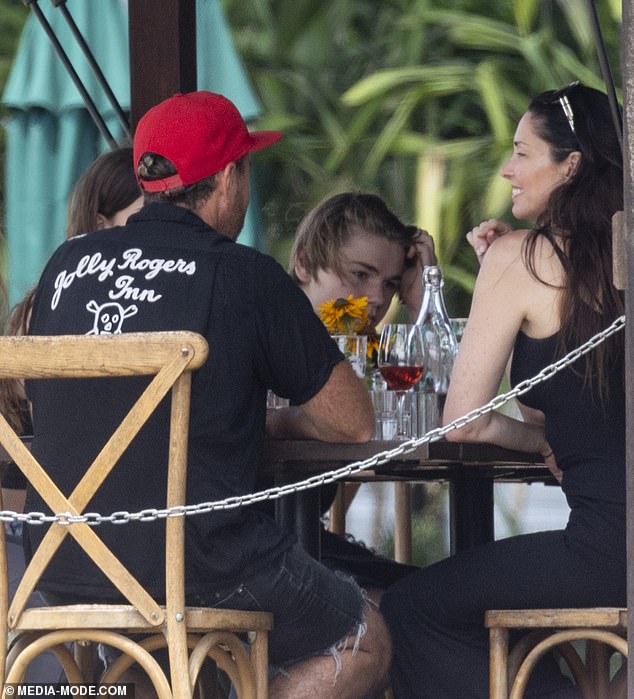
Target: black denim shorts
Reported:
[(313, 607)]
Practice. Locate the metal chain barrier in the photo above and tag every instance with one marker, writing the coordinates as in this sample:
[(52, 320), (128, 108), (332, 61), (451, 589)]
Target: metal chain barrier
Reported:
[(151, 514)]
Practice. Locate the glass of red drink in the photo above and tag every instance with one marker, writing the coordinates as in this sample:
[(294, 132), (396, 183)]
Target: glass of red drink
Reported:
[(401, 361)]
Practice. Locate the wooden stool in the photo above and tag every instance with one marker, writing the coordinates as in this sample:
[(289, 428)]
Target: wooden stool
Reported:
[(599, 627)]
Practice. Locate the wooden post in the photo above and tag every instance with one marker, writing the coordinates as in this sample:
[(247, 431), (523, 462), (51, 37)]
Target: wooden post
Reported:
[(618, 250), (627, 46), (403, 522), (162, 52)]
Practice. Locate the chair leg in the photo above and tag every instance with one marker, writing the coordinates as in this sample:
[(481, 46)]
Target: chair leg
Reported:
[(259, 658), (498, 663), (618, 686), (402, 522), (337, 523), (206, 686), (85, 653), (598, 664), (578, 669), (521, 649)]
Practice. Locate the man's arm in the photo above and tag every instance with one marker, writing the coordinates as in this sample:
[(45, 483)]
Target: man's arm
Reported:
[(340, 412)]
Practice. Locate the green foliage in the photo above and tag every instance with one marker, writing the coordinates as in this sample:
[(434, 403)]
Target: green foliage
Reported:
[(414, 99)]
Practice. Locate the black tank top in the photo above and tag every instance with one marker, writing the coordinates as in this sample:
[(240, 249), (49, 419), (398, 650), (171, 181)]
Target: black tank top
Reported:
[(586, 435)]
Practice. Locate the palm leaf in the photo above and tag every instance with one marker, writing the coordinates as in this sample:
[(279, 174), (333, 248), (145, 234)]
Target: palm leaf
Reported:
[(430, 181), (433, 81), (488, 79), (525, 12), (392, 128)]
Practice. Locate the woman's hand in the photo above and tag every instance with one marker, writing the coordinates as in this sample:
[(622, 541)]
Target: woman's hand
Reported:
[(551, 464), (419, 255), (481, 237)]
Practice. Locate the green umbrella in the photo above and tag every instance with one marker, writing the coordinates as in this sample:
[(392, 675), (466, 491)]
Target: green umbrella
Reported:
[(51, 139)]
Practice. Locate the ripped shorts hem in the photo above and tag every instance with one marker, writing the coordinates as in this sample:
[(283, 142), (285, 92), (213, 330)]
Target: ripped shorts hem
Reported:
[(353, 636)]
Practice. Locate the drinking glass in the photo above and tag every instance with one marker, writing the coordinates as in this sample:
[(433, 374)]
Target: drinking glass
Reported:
[(401, 361), (458, 326), (273, 401), (354, 348), (385, 421)]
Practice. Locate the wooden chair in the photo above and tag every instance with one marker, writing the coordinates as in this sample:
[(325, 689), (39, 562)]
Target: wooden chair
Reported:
[(169, 357), (603, 630)]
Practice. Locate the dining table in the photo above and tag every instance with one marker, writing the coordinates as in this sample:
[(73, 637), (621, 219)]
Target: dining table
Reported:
[(470, 469)]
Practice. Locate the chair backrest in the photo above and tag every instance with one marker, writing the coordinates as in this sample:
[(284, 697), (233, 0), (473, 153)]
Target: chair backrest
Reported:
[(167, 356)]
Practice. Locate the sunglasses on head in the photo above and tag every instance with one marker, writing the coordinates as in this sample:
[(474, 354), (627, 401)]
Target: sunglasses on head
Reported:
[(561, 96)]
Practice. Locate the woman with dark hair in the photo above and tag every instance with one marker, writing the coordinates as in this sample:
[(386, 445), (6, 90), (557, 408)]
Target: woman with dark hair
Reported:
[(105, 195), (540, 293)]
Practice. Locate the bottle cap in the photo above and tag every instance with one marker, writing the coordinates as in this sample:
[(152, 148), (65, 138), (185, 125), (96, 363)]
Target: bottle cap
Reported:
[(432, 274)]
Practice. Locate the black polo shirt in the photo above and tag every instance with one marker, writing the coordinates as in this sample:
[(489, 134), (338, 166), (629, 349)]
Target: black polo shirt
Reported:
[(168, 270)]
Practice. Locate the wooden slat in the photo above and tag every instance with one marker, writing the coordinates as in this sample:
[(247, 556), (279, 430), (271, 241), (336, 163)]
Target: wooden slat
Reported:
[(73, 356), (175, 538), (618, 250), (200, 618), (121, 616), (611, 617)]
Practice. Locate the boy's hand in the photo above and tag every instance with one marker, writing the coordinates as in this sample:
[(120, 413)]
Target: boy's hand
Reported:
[(419, 255)]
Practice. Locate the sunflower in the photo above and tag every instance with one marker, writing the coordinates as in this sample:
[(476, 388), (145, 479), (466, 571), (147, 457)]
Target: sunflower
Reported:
[(344, 316)]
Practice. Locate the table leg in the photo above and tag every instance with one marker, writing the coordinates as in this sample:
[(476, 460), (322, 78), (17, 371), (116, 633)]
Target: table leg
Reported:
[(300, 514), (470, 511), (338, 512)]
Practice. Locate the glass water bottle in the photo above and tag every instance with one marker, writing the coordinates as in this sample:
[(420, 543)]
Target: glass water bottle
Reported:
[(441, 346)]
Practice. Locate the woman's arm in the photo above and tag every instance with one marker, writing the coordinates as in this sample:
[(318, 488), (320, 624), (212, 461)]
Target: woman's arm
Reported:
[(503, 302)]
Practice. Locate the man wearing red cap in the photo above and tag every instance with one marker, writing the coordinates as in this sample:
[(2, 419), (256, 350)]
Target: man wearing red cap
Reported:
[(175, 265)]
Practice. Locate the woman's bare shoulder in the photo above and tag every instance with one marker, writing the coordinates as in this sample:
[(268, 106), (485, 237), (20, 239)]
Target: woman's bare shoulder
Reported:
[(511, 251), (505, 256)]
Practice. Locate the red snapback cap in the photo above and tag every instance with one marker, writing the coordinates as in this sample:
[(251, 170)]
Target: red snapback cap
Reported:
[(200, 132)]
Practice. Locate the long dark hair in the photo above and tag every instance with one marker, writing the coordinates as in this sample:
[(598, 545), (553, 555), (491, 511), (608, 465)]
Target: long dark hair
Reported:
[(578, 219), (108, 185)]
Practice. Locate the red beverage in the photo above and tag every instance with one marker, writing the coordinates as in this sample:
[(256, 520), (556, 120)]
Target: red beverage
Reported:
[(401, 378)]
